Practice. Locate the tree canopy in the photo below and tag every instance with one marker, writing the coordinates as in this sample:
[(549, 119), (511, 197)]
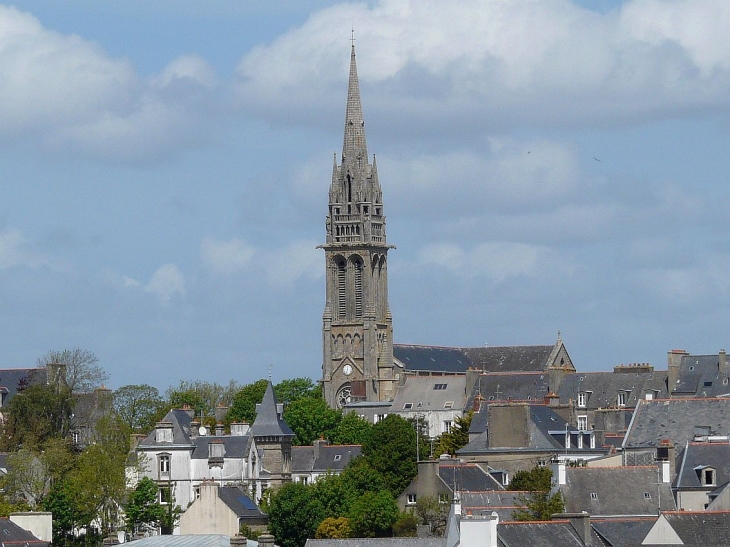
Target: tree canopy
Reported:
[(537, 503), (390, 449)]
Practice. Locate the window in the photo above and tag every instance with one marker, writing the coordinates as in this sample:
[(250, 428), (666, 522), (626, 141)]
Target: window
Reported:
[(594, 496), (647, 495), (165, 496), (649, 395), (449, 404), (621, 399), (439, 386), (541, 463), (75, 437), (196, 492), (407, 406), (583, 423), (164, 465), (582, 399), (338, 457), (447, 426), (708, 477), (411, 499), (444, 499)]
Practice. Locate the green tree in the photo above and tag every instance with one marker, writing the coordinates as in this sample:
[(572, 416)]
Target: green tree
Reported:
[(36, 414), (373, 515), (310, 419), (333, 528), (391, 450), (140, 407), (406, 525), (203, 397), (243, 406), (455, 439), (61, 502), (294, 514), (352, 429), (288, 391), (143, 510), (537, 503)]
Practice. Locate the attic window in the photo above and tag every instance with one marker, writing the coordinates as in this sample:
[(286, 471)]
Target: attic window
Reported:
[(594, 496), (439, 386), (407, 406), (338, 457), (708, 383), (708, 477), (449, 404), (647, 495), (691, 367)]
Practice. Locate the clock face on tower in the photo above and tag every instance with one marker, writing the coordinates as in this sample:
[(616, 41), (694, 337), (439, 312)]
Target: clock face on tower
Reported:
[(347, 369)]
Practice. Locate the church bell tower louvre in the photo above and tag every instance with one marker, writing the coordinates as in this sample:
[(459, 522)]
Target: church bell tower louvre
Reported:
[(357, 327)]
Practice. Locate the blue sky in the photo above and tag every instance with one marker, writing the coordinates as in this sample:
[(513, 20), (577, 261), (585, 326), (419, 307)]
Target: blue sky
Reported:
[(546, 166)]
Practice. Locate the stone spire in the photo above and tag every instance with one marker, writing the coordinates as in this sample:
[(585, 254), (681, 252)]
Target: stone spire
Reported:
[(354, 146)]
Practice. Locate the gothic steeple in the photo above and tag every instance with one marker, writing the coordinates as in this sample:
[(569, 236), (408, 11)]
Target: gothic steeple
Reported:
[(357, 324)]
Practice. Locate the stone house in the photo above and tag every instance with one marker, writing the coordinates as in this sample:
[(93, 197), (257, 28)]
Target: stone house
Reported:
[(322, 458), (221, 510)]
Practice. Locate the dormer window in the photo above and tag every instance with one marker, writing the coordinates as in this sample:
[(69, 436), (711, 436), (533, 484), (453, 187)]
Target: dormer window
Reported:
[(407, 406), (594, 496), (707, 476), (449, 404), (582, 399), (621, 399)]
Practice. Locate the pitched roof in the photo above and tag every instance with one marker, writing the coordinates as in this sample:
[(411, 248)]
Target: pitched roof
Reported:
[(15, 379), (554, 533), (488, 359), (180, 420), (237, 500), (502, 502), (12, 534), (623, 532), (466, 477), (697, 456), (235, 446), (703, 376), (430, 393), (602, 388), (268, 422), (702, 527), (676, 420), (335, 457), (511, 386), (610, 491), (377, 542)]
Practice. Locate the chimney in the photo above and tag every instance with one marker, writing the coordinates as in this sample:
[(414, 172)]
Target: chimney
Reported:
[(479, 530), (239, 429), (722, 359), (552, 399), (194, 428), (581, 523), (266, 540), (220, 412), (219, 429), (674, 360), (558, 469), (318, 444), (208, 492), (238, 541)]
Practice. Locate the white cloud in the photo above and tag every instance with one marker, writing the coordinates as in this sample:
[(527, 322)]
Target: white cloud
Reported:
[(298, 259), (66, 93), (226, 257), (476, 64), (166, 282)]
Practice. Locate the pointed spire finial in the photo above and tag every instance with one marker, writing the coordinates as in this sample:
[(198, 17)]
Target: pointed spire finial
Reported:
[(352, 37), (354, 141)]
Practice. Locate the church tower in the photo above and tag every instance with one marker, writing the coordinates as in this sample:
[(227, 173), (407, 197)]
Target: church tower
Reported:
[(357, 331)]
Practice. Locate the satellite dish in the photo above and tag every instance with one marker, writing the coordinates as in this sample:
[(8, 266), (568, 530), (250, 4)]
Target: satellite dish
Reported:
[(202, 431)]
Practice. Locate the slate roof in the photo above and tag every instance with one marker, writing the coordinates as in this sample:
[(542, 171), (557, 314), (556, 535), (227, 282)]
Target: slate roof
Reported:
[(502, 502), (492, 359), (545, 432), (676, 420), (237, 500), (696, 456), (554, 533), (511, 386), (607, 491), (180, 420), (188, 540), (602, 387), (422, 394), (236, 446), (479, 420), (702, 527), (268, 422), (13, 379), (377, 542), (702, 376), (466, 477), (333, 457), (12, 534), (623, 532)]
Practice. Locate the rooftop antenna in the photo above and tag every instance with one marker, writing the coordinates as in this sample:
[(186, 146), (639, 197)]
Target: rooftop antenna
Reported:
[(270, 369), (352, 36)]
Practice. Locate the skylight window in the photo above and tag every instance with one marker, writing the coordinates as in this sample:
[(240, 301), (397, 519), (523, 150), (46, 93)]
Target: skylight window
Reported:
[(439, 386)]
